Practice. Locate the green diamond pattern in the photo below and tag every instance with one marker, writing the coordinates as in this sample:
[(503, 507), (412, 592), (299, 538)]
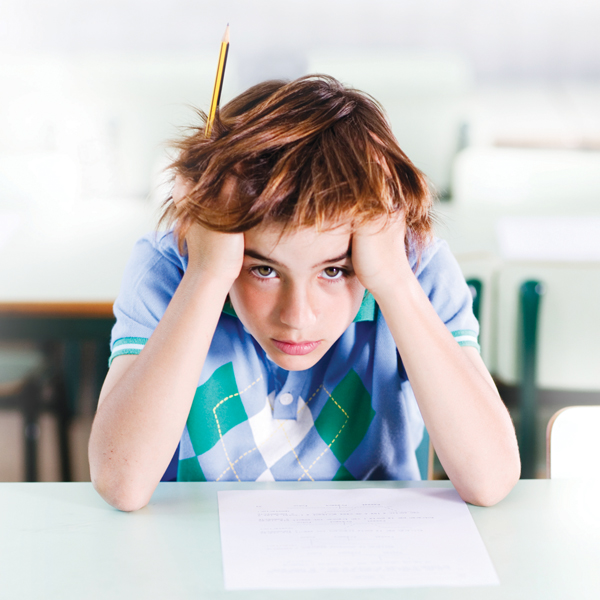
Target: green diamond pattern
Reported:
[(189, 469), (343, 475), (216, 409), (345, 418)]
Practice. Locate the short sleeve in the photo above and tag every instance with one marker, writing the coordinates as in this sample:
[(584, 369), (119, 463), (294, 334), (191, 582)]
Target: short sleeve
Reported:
[(442, 280), (151, 277)]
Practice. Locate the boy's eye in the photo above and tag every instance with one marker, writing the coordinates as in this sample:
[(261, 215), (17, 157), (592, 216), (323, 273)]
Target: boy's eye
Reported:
[(264, 272), (333, 273)]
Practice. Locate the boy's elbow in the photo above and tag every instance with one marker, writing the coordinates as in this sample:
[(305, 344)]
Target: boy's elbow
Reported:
[(115, 480), (122, 495), (484, 497), (491, 490)]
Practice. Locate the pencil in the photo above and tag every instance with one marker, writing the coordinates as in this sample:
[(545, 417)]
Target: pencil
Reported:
[(216, 97)]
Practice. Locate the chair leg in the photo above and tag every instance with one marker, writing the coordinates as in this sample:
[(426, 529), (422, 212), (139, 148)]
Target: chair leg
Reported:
[(63, 414), (530, 296), (31, 435), (64, 423), (60, 401), (31, 406)]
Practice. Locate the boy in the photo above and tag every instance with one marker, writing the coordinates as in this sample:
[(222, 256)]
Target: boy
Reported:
[(298, 320)]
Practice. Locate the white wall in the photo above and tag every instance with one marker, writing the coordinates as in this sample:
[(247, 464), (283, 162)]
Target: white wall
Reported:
[(105, 82), (541, 39)]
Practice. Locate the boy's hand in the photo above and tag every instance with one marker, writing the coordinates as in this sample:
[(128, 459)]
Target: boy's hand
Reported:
[(214, 254), (210, 253), (378, 254)]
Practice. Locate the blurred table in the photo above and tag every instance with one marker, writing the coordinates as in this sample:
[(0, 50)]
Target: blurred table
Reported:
[(541, 284), (61, 267), (63, 541), (60, 271)]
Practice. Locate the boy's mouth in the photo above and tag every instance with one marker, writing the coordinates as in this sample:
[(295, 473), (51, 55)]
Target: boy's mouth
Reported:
[(296, 348)]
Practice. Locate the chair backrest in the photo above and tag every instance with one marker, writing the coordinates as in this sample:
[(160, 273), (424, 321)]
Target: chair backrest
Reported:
[(573, 443), (568, 330)]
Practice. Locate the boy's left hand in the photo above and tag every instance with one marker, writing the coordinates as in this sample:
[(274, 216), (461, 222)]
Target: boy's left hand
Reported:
[(378, 254)]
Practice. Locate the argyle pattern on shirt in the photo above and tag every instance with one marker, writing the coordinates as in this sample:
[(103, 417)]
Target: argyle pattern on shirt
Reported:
[(229, 445)]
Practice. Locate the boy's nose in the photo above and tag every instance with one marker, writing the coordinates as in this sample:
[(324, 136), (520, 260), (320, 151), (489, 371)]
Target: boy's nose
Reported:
[(296, 308)]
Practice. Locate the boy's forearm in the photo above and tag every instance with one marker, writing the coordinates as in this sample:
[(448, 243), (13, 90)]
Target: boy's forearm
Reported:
[(469, 425), (141, 417)]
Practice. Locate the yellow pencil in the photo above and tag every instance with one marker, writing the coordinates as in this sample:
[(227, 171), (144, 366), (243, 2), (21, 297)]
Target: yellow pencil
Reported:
[(216, 97)]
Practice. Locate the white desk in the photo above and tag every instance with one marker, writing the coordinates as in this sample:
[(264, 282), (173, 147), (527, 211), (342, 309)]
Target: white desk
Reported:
[(62, 541)]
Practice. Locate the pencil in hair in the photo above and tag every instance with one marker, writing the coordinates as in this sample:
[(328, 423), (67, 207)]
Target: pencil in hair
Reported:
[(216, 97)]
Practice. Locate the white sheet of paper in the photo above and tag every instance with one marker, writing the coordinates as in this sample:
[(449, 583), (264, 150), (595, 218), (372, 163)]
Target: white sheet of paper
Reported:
[(358, 538)]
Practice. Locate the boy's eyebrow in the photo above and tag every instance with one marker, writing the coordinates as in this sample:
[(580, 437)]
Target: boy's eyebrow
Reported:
[(346, 254), (258, 256)]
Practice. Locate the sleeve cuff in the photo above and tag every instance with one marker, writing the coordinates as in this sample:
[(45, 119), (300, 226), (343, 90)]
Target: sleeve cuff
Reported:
[(467, 337), (129, 345)]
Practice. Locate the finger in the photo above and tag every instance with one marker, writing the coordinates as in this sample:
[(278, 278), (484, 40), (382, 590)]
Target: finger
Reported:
[(379, 225)]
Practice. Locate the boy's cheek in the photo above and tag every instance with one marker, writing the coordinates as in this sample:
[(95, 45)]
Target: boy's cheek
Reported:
[(248, 300), (357, 294)]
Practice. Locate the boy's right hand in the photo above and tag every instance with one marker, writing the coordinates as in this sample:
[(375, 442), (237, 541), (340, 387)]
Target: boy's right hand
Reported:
[(212, 254)]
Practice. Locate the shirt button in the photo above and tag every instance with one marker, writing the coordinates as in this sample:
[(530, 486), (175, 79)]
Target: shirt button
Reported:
[(286, 398)]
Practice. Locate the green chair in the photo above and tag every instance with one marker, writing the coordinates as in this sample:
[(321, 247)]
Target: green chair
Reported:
[(530, 293)]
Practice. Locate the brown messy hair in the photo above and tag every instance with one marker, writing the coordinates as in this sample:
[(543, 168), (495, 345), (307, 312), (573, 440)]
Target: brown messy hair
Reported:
[(305, 153)]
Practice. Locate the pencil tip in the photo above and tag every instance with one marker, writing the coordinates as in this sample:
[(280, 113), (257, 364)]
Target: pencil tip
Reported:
[(226, 35)]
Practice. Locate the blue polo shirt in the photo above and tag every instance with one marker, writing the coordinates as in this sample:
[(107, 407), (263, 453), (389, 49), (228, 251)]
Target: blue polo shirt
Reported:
[(353, 415)]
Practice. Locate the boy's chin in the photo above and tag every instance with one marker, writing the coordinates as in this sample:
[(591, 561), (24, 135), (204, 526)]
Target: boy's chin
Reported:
[(295, 363)]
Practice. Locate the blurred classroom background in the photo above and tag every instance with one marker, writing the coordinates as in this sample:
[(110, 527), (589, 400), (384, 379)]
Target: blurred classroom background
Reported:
[(498, 103)]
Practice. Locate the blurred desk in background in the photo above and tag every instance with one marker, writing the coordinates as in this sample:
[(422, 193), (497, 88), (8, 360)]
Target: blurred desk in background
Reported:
[(59, 329), (539, 304), (61, 268), (60, 271), (59, 332), (560, 251)]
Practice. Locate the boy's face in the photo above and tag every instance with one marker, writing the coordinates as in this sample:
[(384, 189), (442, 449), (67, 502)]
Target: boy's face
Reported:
[(296, 294)]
